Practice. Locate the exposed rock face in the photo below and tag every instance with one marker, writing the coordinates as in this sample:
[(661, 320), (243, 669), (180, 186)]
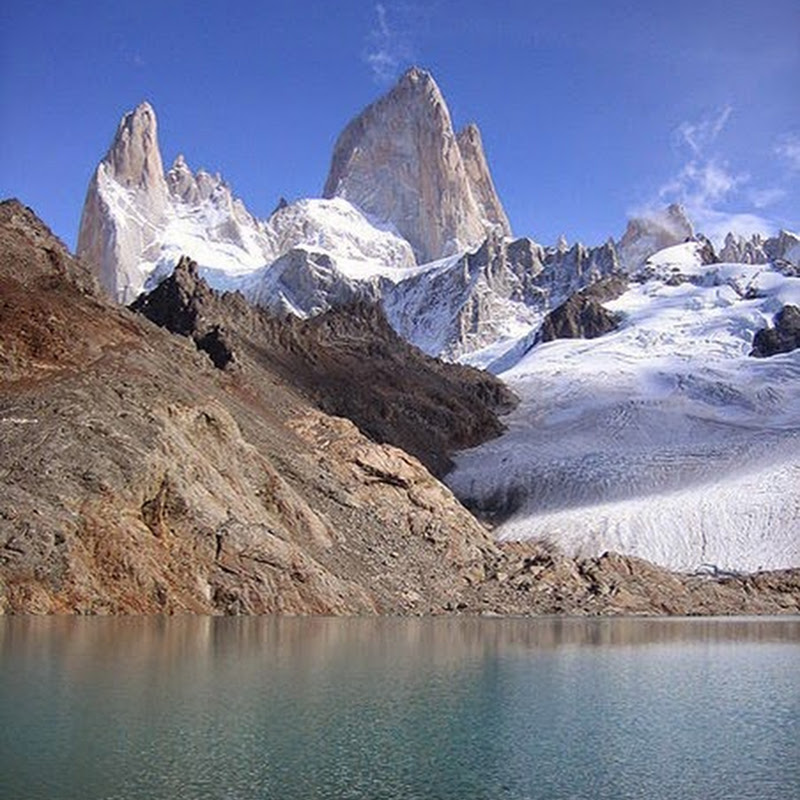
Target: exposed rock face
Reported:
[(138, 478), (782, 338), (125, 203), (470, 145), (583, 315), (134, 159), (399, 161), (647, 235)]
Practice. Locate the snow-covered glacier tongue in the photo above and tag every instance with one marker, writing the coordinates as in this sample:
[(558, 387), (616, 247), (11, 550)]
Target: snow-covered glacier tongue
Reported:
[(664, 439)]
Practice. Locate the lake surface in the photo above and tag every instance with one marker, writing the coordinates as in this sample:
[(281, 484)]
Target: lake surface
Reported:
[(391, 708)]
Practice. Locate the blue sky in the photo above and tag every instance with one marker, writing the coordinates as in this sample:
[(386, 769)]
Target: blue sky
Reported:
[(590, 111)]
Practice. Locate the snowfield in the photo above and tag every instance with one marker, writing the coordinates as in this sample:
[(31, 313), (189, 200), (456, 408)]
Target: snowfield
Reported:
[(663, 439)]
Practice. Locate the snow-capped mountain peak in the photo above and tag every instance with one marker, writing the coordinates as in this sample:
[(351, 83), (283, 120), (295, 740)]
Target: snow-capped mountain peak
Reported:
[(138, 221), (411, 219)]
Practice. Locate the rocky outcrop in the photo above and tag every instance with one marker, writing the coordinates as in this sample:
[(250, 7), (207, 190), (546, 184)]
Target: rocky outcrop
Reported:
[(616, 584), (583, 316), (400, 162), (783, 337)]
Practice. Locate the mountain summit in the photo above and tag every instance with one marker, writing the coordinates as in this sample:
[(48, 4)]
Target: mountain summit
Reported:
[(402, 164), (130, 175)]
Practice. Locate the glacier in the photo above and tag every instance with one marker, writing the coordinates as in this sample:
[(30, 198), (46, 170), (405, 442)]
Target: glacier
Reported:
[(664, 439)]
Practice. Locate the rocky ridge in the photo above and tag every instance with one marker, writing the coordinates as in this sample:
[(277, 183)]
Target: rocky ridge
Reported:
[(139, 478), (491, 298), (348, 362)]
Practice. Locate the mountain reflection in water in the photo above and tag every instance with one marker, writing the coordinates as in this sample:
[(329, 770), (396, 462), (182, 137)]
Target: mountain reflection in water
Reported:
[(390, 708)]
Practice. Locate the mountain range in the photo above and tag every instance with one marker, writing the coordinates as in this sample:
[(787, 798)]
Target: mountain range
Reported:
[(264, 427), (409, 218)]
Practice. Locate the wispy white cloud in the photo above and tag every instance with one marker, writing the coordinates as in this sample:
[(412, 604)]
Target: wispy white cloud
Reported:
[(699, 135), (388, 49), (701, 184), (764, 198), (718, 198), (788, 148)]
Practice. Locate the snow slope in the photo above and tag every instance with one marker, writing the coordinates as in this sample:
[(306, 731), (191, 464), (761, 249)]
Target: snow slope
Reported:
[(663, 439), (232, 248)]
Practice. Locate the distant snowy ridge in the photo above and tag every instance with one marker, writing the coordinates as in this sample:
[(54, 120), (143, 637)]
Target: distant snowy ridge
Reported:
[(482, 303), (663, 439)]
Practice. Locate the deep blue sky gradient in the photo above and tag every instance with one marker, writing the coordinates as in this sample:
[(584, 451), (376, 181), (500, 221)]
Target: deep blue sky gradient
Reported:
[(590, 111)]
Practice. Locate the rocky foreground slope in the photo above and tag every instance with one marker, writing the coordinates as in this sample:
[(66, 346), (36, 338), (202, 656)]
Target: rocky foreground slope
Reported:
[(136, 476)]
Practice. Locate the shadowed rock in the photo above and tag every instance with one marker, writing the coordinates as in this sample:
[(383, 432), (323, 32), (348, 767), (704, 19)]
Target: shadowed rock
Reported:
[(583, 315), (782, 338)]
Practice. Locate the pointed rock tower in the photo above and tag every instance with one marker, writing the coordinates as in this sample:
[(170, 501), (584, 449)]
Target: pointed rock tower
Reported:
[(401, 163), (126, 202), (480, 179)]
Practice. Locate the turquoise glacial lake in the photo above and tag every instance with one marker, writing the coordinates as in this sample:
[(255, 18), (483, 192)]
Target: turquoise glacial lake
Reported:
[(384, 709)]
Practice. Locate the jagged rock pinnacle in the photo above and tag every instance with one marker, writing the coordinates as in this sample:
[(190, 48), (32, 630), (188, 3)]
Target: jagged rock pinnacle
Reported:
[(401, 163), (110, 247), (480, 179), (134, 159)]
